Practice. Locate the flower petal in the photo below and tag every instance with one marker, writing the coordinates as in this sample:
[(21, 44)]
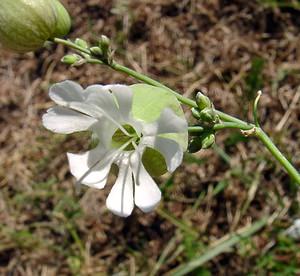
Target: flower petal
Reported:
[(104, 130), (104, 100), (83, 167), (146, 192), (63, 120), (168, 122), (171, 150), (65, 92), (120, 198), (124, 97)]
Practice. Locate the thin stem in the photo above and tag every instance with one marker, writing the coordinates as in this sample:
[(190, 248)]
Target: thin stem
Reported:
[(264, 138), (225, 125), (233, 125), (72, 45), (146, 79)]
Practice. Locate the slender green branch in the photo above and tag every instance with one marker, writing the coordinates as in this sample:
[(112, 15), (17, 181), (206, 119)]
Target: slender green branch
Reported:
[(195, 129), (153, 82), (233, 125), (72, 45), (262, 136), (225, 125)]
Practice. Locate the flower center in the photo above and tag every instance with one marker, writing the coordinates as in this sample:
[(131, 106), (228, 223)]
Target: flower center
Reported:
[(120, 138)]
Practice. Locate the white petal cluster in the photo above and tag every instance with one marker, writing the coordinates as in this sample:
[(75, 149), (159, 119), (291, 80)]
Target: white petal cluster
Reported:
[(107, 111)]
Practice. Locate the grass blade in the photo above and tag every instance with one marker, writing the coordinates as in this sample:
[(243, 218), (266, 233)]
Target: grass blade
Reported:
[(223, 245)]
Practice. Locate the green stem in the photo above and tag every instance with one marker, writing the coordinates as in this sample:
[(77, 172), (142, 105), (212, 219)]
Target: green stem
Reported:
[(72, 45), (236, 123), (153, 82), (264, 138), (225, 125)]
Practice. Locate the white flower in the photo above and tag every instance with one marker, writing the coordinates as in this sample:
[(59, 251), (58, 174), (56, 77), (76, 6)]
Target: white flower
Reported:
[(107, 112)]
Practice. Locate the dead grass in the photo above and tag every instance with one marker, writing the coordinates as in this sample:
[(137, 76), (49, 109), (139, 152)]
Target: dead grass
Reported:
[(189, 45)]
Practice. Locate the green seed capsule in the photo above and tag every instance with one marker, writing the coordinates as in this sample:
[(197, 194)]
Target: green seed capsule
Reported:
[(63, 20), (25, 25)]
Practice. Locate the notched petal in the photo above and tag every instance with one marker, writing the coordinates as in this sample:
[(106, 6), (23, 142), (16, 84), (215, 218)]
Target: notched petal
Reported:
[(120, 198), (147, 195)]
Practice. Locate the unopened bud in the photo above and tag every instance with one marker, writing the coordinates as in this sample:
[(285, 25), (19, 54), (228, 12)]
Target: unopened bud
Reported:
[(81, 43), (208, 115), (104, 43), (203, 141), (71, 59), (96, 51), (195, 113), (208, 141), (202, 101)]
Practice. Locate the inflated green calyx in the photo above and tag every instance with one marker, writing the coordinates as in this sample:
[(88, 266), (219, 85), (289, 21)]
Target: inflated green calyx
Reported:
[(25, 25)]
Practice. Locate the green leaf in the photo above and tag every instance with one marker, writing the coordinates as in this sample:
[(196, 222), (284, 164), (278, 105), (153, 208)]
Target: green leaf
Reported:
[(148, 103)]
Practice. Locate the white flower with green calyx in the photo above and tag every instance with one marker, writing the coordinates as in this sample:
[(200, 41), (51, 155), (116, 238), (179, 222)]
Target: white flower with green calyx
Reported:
[(140, 128)]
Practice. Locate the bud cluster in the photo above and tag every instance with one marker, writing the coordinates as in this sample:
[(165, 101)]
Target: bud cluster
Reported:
[(102, 52), (207, 118)]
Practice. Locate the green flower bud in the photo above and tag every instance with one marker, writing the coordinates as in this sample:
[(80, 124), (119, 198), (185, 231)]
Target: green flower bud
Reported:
[(208, 115), (82, 43), (195, 113), (208, 141), (104, 43), (203, 141), (25, 25), (202, 101), (96, 51), (71, 59), (63, 20)]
